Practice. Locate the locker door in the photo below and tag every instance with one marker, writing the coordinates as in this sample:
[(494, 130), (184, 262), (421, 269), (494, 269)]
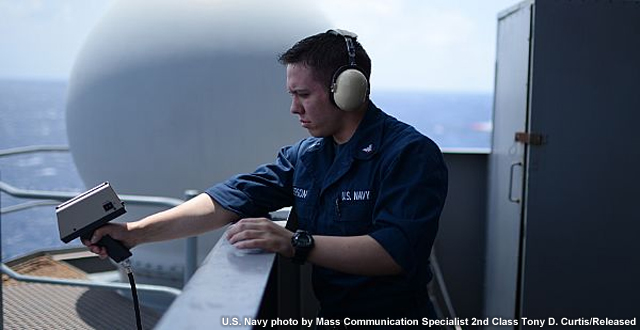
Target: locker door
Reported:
[(507, 163), (582, 254)]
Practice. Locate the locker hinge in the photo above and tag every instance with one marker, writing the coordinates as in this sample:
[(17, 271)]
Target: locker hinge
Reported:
[(530, 138)]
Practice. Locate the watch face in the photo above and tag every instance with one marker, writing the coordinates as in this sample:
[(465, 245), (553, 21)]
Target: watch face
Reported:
[(303, 239)]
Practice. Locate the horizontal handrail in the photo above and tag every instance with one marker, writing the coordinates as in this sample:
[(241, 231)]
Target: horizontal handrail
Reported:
[(27, 205), (90, 284), (34, 148), (64, 196), (244, 276)]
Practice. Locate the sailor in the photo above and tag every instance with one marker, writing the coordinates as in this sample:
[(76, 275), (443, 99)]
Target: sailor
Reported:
[(367, 192)]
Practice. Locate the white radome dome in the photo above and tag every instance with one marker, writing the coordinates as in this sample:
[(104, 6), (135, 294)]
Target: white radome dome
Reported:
[(170, 95)]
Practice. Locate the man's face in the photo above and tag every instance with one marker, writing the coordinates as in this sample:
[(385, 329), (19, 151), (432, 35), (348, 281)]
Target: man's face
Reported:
[(310, 101)]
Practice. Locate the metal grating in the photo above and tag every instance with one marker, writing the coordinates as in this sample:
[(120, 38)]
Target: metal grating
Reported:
[(48, 306)]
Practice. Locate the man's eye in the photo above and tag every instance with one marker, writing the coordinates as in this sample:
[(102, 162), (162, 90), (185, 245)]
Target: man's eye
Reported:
[(298, 94)]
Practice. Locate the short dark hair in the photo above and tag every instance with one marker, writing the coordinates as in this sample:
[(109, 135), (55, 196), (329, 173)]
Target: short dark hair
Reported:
[(325, 53)]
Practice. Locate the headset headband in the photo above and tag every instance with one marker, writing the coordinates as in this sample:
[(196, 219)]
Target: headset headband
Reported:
[(349, 37)]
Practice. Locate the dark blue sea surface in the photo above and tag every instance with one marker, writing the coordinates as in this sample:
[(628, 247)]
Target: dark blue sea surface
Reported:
[(33, 113)]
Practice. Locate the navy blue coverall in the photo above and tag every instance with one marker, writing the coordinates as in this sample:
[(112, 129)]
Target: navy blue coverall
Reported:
[(388, 181)]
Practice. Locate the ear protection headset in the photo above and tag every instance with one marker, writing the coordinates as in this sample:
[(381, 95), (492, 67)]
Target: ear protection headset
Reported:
[(349, 86)]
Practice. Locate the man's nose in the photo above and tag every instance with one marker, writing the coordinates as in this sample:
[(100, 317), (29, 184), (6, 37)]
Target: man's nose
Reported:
[(296, 107)]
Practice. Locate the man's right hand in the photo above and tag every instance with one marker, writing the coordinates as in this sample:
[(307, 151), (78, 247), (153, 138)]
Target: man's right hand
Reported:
[(117, 231)]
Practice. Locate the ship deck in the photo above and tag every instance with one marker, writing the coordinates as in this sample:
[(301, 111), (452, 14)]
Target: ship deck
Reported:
[(49, 306)]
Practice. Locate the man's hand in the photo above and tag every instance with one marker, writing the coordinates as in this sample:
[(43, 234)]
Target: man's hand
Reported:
[(261, 233), (117, 231)]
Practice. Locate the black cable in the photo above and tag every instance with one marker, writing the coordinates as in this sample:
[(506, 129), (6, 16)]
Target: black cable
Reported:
[(134, 293)]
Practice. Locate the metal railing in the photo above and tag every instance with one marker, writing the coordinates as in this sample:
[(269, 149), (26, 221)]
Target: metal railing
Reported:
[(55, 197), (32, 149), (90, 284), (61, 196)]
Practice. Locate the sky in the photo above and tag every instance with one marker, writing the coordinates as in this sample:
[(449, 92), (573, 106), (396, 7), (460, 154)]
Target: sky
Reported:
[(439, 45)]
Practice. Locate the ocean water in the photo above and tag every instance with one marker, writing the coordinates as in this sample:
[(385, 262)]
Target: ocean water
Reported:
[(33, 113), (452, 120)]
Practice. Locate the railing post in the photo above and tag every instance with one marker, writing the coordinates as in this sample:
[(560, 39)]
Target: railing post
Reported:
[(191, 248)]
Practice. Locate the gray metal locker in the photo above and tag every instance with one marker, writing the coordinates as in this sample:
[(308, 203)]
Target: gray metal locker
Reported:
[(563, 215)]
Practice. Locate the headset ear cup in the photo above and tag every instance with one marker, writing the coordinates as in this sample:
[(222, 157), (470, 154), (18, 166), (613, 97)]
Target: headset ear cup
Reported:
[(350, 89)]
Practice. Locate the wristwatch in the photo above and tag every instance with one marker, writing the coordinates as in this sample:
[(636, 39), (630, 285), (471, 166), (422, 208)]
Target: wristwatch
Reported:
[(302, 242)]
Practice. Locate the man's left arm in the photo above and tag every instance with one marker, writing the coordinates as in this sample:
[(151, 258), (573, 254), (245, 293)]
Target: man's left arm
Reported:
[(406, 219), (360, 255), (408, 208)]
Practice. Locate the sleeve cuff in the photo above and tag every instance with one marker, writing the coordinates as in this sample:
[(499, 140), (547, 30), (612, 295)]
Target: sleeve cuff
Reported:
[(397, 245), (230, 199)]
